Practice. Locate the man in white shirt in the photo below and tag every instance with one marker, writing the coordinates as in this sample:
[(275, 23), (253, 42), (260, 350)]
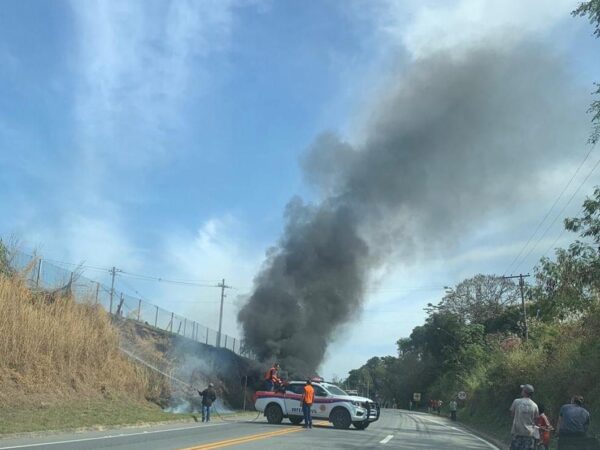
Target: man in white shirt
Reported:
[(524, 412)]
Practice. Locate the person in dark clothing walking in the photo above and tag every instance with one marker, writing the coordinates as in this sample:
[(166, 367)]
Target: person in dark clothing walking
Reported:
[(208, 397), (572, 426)]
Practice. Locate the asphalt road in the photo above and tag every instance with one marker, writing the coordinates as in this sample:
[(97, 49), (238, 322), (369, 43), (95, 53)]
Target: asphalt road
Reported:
[(394, 430)]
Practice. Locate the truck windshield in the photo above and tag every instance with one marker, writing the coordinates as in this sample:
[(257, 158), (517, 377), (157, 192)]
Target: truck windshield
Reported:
[(335, 390)]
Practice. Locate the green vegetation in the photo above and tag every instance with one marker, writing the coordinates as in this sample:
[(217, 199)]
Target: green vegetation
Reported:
[(83, 413), (474, 339)]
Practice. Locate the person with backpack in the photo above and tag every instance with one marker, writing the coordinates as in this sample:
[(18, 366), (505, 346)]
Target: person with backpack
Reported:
[(208, 397)]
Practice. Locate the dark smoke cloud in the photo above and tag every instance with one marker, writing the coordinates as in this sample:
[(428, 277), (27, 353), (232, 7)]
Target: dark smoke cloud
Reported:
[(454, 139)]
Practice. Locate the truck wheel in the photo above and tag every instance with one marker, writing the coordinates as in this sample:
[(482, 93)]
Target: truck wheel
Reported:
[(296, 420), (360, 425), (274, 414), (340, 418)]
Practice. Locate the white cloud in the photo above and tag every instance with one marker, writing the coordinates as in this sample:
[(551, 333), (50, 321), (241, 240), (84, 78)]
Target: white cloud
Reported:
[(139, 61), (216, 251), (438, 25), (427, 26)]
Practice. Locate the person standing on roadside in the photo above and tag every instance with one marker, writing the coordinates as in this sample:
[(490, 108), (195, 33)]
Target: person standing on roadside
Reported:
[(573, 423), (545, 427), (208, 397), (453, 407), (524, 412), (308, 398)]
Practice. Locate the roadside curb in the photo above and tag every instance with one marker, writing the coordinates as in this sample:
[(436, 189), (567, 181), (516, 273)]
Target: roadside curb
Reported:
[(492, 439), (474, 431)]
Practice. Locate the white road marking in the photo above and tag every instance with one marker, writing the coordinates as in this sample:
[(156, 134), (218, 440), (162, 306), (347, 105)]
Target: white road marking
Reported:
[(111, 436), (492, 446), (387, 439)]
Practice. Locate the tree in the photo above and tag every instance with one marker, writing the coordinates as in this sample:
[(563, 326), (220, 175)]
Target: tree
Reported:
[(570, 284), (588, 226), (591, 9), (480, 298)]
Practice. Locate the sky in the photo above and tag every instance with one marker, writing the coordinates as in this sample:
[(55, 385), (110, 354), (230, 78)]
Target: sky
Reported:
[(166, 138)]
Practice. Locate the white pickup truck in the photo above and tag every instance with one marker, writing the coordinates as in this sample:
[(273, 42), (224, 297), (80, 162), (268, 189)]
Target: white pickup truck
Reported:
[(331, 403)]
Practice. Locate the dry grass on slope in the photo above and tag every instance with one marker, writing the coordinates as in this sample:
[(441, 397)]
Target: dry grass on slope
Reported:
[(56, 350)]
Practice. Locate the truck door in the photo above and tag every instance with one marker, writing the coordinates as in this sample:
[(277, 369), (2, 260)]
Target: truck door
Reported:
[(321, 407), (293, 399)]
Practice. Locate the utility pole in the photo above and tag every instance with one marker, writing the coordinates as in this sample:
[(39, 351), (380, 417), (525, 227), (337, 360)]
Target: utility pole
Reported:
[(521, 278), (223, 286), (113, 272)]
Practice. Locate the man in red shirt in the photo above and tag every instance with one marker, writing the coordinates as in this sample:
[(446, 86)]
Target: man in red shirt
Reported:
[(307, 401), (271, 377)]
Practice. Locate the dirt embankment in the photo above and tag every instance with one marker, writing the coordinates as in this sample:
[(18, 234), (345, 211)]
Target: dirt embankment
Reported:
[(195, 364)]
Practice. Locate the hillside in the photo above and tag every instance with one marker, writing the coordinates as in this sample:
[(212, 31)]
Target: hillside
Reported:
[(61, 365)]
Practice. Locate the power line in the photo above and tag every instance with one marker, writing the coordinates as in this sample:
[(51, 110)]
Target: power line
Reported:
[(559, 215), (549, 212), (564, 229), (185, 282), (82, 265), (167, 280)]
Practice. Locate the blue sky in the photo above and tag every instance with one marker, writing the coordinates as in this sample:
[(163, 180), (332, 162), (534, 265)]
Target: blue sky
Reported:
[(164, 137)]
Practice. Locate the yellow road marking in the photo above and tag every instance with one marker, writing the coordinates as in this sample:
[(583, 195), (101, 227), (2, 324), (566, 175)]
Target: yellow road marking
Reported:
[(244, 439)]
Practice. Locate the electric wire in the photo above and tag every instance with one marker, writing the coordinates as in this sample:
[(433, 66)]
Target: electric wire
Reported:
[(548, 213), (197, 283), (559, 215), (564, 229)]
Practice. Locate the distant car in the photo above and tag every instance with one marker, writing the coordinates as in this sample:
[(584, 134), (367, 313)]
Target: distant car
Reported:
[(331, 403)]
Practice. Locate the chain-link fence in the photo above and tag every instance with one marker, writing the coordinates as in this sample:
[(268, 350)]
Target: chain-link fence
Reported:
[(43, 274)]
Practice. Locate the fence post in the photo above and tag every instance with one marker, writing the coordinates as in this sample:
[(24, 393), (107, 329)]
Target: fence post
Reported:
[(184, 325), (97, 289), (233, 345), (225, 341), (171, 324), (139, 308), (39, 271), (207, 336), (119, 311), (156, 318), (71, 285)]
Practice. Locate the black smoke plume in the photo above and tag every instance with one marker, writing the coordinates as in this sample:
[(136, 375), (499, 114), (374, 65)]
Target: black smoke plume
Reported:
[(451, 140)]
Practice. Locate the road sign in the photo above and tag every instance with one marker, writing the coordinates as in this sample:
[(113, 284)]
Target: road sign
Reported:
[(417, 396), (462, 395)]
